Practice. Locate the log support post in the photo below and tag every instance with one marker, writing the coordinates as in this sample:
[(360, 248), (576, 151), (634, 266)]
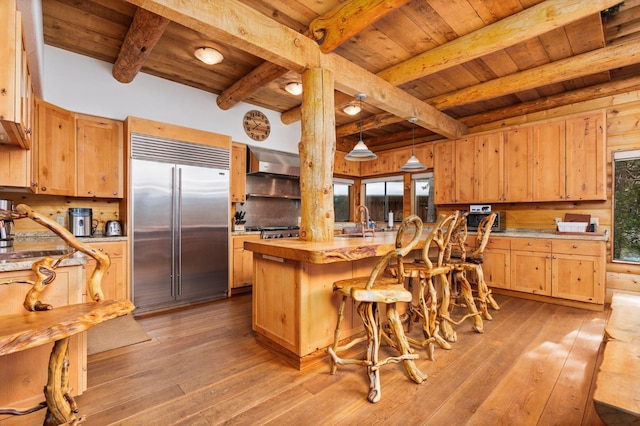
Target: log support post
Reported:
[(317, 152)]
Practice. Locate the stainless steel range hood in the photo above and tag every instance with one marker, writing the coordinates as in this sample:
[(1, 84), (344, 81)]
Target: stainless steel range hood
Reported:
[(262, 161)]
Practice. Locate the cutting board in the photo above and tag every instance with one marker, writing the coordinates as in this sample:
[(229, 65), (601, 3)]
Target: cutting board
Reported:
[(573, 217)]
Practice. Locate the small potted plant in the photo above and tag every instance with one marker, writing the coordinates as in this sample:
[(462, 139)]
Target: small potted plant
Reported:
[(238, 221)]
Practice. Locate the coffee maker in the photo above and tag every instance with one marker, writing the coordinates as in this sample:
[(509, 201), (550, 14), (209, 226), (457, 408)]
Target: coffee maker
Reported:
[(6, 226)]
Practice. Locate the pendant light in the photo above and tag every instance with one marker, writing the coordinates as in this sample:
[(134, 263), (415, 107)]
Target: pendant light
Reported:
[(413, 164), (360, 152)]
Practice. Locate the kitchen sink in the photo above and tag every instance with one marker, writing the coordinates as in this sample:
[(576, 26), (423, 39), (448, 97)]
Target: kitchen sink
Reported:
[(28, 254)]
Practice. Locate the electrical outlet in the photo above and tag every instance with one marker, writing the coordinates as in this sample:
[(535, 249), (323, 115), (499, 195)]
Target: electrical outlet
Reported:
[(60, 220), (595, 221)]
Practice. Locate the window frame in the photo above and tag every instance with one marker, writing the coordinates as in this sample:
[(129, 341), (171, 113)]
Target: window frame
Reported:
[(633, 154)]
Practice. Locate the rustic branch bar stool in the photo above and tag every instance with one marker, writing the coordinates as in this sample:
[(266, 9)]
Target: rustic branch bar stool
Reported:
[(455, 255), (471, 267), (429, 270), (369, 292)]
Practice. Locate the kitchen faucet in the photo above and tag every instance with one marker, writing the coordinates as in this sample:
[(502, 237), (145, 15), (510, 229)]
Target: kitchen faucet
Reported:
[(361, 211)]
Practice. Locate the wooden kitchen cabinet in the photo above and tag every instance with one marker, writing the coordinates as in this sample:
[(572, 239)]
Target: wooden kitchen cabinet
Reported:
[(25, 373), (54, 158), (444, 169), (531, 265), (496, 264), (115, 284), (518, 165), (578, 270), (585, 158), (16, 101), (242, 262), (549, 161), (238, 173), (100, 153), (345, 167), (381, 165)]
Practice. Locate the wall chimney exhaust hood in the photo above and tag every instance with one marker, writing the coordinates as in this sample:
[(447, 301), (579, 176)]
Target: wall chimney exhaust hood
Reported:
[(261, 161)]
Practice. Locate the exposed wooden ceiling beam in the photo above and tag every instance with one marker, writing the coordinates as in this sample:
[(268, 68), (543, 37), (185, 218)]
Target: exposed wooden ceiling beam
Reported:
[(598, 60), (235, 23), (531, 22), (367, 11), (143, 35), (344, 22)]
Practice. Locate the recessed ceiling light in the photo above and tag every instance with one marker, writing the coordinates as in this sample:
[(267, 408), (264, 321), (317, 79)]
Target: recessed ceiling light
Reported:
[(208, 55)]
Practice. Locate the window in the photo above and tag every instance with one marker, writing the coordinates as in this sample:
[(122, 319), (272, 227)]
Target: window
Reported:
[(423, 205), (382, 196), (341, 199), (626, 206)]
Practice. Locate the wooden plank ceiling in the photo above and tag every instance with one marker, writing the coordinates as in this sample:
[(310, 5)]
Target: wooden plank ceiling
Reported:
[(475, 61)]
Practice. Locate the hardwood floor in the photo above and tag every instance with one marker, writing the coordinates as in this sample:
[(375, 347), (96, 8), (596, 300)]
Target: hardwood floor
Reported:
[(533, 365)]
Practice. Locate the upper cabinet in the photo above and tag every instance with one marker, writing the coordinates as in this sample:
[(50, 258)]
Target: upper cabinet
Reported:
[(16, 89), (100, 146), (54, 165), (345, 167), (552, 161), (390, 161), (77, 155), (238, 178)]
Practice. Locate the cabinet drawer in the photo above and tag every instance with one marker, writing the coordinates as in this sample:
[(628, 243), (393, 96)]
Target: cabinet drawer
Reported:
[(113, 249), (589, 248), (498, 243), (531, 244)]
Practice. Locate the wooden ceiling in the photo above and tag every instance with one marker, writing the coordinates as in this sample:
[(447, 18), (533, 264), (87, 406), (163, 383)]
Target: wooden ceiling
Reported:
[(468, 61)]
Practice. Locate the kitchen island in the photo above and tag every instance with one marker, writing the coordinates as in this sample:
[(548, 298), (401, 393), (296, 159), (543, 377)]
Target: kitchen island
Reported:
[(294, 309)]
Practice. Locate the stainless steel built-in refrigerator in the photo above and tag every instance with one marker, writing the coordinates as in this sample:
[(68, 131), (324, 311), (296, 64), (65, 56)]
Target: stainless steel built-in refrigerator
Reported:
[(180, 198)]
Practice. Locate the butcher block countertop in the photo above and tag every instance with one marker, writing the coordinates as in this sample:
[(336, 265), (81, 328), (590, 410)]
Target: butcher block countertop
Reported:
[(355, 247)]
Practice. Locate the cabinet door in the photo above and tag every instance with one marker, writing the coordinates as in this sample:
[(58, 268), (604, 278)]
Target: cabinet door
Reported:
[(444, 169), (424, 153), (114, 283), (100, 157), (55, 156), (15, 166), (466, 181), (489, 167), (242, 261), (518, 162), (577, 277), (585, 153), (549, 161), (238, 176), (531, 272), (496, 267)]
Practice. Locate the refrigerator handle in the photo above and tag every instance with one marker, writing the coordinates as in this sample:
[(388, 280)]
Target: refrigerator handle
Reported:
[(173, 231), (179, 230)]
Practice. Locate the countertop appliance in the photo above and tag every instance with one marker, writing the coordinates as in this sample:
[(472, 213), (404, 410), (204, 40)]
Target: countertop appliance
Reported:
[(112, 228), (6, 226), (180, 222), (81, 221), (474, 219)]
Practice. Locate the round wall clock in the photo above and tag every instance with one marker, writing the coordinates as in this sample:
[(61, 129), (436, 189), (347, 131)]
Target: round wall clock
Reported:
[(256, 125)]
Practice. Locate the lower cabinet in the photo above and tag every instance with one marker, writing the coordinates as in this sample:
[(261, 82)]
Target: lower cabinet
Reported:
[(564, 269), (115, 284), (23, 374), (242, 274), (497, 263)]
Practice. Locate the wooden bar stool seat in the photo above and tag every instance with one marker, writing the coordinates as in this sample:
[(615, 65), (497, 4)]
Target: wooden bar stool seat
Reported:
[(369, 292)]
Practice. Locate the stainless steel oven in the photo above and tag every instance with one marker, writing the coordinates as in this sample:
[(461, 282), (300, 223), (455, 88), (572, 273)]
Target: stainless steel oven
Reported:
[(474, 219)]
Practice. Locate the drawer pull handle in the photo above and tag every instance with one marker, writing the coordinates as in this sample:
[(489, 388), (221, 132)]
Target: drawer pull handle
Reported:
[(575, 246)]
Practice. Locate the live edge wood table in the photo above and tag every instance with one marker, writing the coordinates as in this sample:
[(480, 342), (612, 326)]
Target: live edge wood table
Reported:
[(294, 309)]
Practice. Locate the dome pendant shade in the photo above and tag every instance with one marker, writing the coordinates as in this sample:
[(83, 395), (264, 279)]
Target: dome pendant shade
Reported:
[(208, 55), (360, 152), (413, 165)]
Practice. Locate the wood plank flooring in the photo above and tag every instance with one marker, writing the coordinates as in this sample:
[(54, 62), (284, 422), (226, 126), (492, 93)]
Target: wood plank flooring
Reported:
[(534, 365)]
